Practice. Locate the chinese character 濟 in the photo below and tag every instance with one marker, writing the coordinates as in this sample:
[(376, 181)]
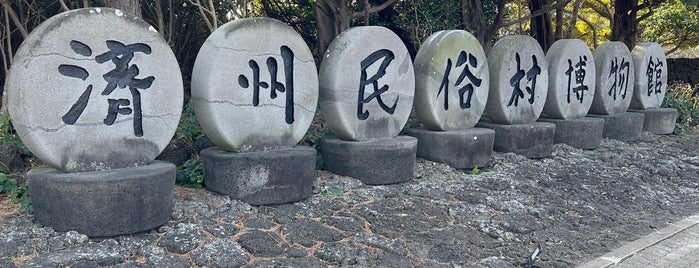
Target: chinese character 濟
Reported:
[(387, 57), (579, 73), (287, 87), (123, 75), (531, 75), (466, 72)]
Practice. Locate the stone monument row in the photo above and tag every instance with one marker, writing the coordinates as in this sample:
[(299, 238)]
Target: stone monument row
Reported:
[(99, 106), (451, 90), (571, 89), (97, 96), (650, 88), (519, 78), (255, 91), (613, 92)]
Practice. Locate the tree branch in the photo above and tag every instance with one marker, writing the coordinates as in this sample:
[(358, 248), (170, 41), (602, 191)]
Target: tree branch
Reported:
[(594, 30), (544, 10), (372, 10)]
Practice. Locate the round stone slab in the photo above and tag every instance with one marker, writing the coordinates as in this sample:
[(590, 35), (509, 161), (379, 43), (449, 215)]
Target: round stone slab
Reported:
[(367, 84), (451, 81), (255, 86), (93, 89), (571, 79), (518, 80), (615, 77), (651, 76)]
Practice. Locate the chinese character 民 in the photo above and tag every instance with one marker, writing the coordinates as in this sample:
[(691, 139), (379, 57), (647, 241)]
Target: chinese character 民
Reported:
[(621, 79), (466, 72), (387, 57), (579, 73), (654, 70), (287, 87), (531, 75), (123, 75)]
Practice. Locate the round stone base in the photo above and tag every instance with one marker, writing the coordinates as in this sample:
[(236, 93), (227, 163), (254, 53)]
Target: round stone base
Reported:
[(380, 161), (260, 178), (461, 149), (532, 140), (103, 203), (582, 133), (624, 126), (659, 121)]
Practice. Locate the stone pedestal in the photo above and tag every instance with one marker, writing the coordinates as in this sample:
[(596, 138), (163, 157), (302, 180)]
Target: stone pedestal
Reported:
[(103, 203), (260, 178), (582, 133), (461, 149), (532, 140), (626, 126), (379, 161), (659, 120)]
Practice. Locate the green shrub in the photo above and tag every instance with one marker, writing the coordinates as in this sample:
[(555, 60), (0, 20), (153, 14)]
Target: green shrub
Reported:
[(19, 192), (190, 174), (680, 96)]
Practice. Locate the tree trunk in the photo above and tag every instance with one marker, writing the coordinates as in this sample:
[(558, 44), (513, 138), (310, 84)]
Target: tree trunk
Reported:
[(131, 8), (333, 17), (625, 23), (541, 25)]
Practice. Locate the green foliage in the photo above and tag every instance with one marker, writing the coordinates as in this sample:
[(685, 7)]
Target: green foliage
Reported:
[(190, 174), (7, 135), (680, 96), (19, 192), (189, 127), (331, 192), (475, 170), (672, 24)]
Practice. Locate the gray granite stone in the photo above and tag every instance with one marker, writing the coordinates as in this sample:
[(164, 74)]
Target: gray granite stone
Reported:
[(659, 120), (615, 78), (255, 86), (650, 66), (260, 178), (518, 80), (626, 126), (571, 84), (103, 203), (460, 149), (367, 84), (582, 133), (451, 81), (74, 105), (533, 140), (378, 161)]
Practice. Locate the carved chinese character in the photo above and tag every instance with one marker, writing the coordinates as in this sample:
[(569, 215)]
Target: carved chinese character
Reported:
[(621, 79), (387, 57), (123, 75), (579, 73), (467, 61), (531, 75)]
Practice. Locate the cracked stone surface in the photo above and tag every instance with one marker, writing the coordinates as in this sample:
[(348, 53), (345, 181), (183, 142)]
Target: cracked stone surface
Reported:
[(577, 205)]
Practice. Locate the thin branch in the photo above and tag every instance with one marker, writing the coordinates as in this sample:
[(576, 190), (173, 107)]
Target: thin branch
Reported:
[(544, 10), (203, 14), (11, 13), (603, 10), (160, 17), (372, 10), (64, 7), (594, 30)]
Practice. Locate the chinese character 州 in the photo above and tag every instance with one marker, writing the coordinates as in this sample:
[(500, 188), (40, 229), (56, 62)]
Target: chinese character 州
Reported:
[(287, 87), (466, 72), (387, 57), (123, 75), (621, 79), (654, 70), (531, 75)]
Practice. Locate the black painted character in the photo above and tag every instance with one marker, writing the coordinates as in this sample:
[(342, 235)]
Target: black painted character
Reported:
[(123, 75), (387, 57), (466, 72), (579, 73), (272, 67), (654, 72), (621, 79), (531, 75)]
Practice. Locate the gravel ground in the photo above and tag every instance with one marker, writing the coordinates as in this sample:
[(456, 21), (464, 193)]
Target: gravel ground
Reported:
[(576, 204)]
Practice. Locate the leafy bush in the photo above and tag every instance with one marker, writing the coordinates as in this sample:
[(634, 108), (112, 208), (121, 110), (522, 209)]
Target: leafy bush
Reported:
[(190, 174), (19, 192), (189, 127), (680, 96)]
